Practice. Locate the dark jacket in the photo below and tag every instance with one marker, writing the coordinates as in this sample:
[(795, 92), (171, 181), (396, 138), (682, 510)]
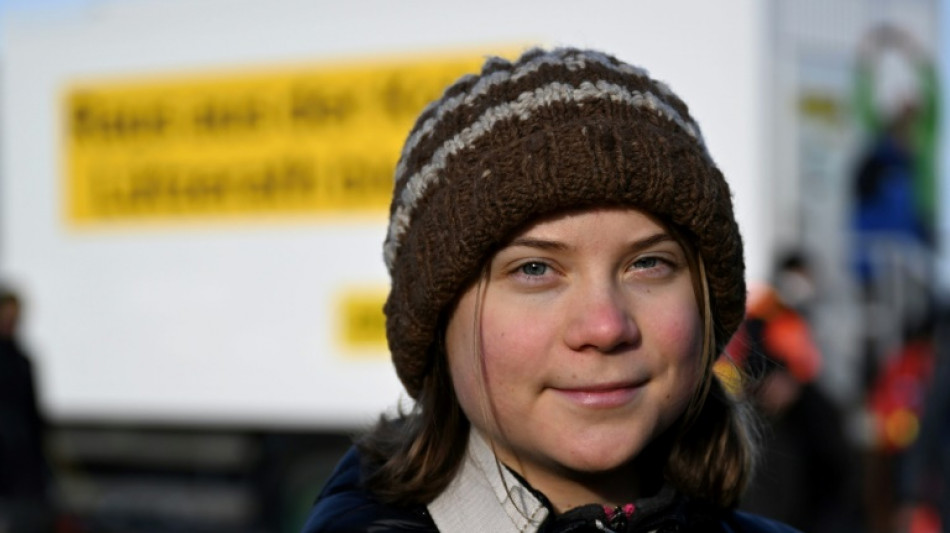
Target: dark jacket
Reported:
[(344, 506), (23, 470)]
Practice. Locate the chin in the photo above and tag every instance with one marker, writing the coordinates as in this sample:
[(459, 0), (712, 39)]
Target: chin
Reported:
[(602, 459)]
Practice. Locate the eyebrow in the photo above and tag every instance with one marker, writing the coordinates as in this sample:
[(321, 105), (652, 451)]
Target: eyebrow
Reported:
[(543, 244)]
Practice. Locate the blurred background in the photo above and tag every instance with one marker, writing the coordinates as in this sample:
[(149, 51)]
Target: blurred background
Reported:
[(194, 193)]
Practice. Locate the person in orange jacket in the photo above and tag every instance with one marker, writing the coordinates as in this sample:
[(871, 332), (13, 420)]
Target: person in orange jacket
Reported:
[(804, 470)]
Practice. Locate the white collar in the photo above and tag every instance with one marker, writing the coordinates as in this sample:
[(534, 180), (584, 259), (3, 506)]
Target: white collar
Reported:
[(485, 496)]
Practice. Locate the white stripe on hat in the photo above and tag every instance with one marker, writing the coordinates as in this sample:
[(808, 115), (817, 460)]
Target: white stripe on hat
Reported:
[(570, 58)]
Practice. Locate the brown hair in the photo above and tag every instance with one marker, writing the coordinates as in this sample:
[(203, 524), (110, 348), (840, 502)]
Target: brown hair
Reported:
[(716, 446), (412, 458)]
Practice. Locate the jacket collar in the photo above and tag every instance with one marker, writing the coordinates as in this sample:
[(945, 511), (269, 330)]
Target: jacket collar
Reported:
[(485, 496)]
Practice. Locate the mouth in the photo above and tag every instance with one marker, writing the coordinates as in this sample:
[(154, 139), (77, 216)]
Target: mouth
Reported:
[(601, 396)]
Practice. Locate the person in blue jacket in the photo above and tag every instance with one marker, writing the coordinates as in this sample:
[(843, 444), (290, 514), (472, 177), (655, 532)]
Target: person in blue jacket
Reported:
[(566, 267)]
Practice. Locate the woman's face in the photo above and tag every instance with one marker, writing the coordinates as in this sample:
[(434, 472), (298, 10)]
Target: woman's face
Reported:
[(590, 341)]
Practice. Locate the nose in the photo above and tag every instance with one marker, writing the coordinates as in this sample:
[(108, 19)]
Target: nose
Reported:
[(600, 319)]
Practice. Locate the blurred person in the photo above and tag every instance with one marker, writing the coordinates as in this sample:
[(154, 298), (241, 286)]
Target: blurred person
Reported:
[(900, 122), (776, 322), (894, 224), (24, 473), (565, 267), (804, 475), (924, 478), (894, 183), (911, 408)]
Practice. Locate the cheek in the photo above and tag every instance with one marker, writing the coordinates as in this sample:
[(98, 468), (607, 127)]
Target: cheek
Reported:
[(679, 331), (513, 343), (516, 340), (462, 353)]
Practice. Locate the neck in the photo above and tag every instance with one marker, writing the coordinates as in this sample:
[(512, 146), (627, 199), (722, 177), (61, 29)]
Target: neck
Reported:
[(566, 489)]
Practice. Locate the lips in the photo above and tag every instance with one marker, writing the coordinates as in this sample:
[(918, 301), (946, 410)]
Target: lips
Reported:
[(606, 396)]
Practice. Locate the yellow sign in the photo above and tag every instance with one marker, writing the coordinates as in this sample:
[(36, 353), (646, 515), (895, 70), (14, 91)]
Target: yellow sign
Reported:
[(363, 324), (310, 140)]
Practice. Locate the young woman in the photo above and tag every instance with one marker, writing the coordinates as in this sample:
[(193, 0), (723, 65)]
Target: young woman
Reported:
[(565, 268)]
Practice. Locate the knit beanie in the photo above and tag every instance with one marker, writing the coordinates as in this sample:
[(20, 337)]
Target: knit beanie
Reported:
[(553, 131)]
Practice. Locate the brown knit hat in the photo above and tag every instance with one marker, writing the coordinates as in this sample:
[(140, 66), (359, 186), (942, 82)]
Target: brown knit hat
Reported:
[(552, 131)]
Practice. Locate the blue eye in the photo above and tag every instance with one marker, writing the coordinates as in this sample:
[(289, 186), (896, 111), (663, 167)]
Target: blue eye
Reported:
[(534, 268), (646, 262)]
